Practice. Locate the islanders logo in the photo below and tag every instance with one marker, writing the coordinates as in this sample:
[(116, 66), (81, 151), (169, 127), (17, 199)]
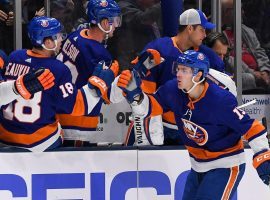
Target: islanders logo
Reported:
[(200, 56), (195, 132), (103, 3), (44, 23)]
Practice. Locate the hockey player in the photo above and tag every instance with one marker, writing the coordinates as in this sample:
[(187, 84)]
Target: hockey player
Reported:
[(191, 32), (26, 85), (209, 123), (81, 52), (32, 124)]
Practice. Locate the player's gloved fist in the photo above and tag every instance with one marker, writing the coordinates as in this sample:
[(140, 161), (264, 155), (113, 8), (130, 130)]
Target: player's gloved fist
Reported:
[(146, 61), (261, 162), (130, 83), (34, 81), (102, 79)]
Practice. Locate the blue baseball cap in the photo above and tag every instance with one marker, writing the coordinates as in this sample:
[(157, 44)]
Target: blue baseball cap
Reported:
[(193, 17)]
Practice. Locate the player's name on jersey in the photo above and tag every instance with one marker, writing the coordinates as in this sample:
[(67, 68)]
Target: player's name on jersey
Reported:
[(16, 70), (71, 51)]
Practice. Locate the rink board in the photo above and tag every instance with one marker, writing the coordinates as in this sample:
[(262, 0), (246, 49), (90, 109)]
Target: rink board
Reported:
[(134, 174)]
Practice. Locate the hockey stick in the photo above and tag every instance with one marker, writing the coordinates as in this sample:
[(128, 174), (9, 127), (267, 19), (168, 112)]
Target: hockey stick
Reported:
[(247, 104)]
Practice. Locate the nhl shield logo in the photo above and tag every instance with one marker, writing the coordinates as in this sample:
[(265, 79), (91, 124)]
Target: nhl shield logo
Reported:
[(44, 23), (104, 3)]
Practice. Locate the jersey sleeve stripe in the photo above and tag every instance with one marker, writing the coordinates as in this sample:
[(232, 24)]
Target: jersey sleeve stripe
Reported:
[(78, 121), (169, 117), (79, 107), (90, 100), (156, 107), (255, 130), (1, 63)]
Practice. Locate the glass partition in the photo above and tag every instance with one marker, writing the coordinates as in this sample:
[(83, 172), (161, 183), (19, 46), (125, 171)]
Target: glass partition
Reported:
[(142, 23), (6, 26)]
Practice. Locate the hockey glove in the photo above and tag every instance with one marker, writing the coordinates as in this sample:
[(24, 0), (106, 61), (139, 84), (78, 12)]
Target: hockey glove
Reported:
[(34, 81), (146, 61), (102, 79), (261, 162), (130, 83)]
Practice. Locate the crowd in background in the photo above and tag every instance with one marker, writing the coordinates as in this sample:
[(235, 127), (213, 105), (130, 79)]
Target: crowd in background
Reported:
[(142, 22)]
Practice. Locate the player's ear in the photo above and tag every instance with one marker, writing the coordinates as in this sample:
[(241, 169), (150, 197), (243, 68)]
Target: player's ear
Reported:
[(199, 76), (48, 42), (105, 23)]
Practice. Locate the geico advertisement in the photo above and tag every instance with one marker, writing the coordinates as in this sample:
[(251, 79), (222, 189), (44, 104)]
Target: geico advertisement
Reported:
[(95, 175), (107, 175)]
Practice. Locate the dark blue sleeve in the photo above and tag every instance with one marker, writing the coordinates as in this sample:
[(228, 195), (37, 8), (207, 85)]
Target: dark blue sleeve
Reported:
[(66, 91), (215, 61), (227, 113)]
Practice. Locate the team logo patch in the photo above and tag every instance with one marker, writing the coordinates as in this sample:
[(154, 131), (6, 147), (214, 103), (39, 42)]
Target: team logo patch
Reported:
[(44, 23), (200, 56), (195, 132), (104, 3)]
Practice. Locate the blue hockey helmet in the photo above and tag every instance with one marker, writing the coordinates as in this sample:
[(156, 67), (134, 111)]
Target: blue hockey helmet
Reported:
[(103, 9), (193, 59), (42, 27)]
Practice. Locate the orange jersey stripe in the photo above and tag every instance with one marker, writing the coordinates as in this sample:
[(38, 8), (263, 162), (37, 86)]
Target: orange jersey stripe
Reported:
[(191, 103), (79, 107), (256, 128), (231, 182), (169, 117), (79, 121), (156, 108), (34, 54), (205, 154), (27, 139), (85, 34), (149, 87), (1, 63)]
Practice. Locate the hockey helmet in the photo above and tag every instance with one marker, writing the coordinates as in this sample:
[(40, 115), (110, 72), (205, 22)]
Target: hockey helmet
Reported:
[(103, 9), (42, 27), (193, 59)]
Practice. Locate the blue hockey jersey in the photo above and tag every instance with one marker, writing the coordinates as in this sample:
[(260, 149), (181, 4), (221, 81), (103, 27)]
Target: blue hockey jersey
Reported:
[(32, 123), (210, 127), (81, 54), (160, 74)]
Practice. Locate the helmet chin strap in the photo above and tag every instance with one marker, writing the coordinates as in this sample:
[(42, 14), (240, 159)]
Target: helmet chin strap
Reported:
[(100, 27), (106, 32), (194, 85), (52, 49)]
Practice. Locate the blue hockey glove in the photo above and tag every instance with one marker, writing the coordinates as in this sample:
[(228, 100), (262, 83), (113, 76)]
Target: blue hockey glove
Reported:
[(130, 83), (261, 162), (102, 79), (146, 61)]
